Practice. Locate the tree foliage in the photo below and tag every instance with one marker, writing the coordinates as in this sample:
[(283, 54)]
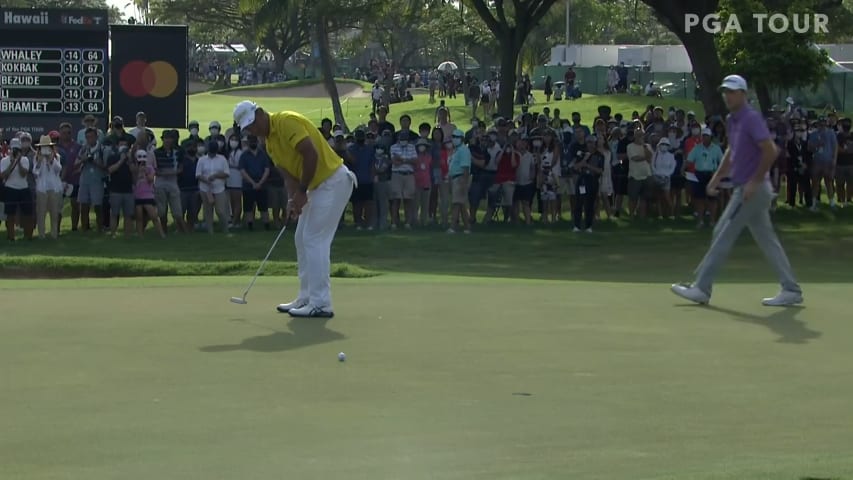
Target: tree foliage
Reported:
[(767, 59), (282, 27), (510, 23)]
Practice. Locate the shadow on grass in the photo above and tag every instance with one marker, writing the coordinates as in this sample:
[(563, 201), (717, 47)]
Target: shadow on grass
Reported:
[(304, 332), (782, 322)]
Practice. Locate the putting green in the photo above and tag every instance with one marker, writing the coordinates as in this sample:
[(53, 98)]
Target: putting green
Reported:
[(446, 377)]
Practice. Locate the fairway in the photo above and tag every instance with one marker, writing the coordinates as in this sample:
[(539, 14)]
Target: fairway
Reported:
[(446, 378)]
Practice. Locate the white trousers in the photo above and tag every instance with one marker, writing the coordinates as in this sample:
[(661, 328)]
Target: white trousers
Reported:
[(315, 232)]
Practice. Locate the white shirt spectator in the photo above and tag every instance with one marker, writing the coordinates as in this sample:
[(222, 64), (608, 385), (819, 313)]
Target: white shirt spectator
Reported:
[(408, 153), (494, 156), (525, 173), (208, 166), (16, 180), (663, 163), (47, 175)]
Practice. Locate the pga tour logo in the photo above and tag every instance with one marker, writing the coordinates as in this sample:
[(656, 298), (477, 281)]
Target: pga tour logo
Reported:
[(776, 23)]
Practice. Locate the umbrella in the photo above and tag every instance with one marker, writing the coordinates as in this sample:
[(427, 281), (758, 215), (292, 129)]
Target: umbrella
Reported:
[(447, 67)]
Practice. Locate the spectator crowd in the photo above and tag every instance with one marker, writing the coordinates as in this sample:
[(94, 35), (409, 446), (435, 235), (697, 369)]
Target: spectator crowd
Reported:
[(650, 164)]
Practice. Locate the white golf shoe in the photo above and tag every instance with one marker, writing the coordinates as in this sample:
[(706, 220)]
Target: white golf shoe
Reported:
[(689, 292), (783, 299), (311, 311), (287, 307)]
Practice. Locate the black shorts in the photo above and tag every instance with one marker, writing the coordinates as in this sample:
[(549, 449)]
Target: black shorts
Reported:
[(364, 193), (524, 193), (255, 198), (139, 202), (620, 185), (17, 201), (700, 188), (677, 182)]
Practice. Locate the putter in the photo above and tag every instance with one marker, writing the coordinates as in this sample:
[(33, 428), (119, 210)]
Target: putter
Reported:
[(242, 300)]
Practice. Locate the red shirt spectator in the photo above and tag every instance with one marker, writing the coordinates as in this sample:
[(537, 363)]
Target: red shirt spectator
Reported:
[(507, 166), (570, 76)]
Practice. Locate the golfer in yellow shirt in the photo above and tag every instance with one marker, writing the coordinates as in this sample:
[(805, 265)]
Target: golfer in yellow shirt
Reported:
[(318, 187)]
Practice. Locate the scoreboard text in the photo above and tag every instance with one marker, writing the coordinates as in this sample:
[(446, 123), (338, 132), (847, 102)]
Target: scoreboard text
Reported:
[(53, 70)]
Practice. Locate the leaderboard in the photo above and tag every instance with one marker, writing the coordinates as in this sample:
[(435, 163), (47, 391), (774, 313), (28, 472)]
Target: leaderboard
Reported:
[(54, 68), (52, 80)]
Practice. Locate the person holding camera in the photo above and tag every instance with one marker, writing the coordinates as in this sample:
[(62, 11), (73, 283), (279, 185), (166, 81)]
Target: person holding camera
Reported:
[(18, 199), (589, 168), (143, 194), (90, 163), (121, 166), (47, 170)]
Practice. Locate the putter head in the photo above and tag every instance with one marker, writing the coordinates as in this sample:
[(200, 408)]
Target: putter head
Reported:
[(239, 300)]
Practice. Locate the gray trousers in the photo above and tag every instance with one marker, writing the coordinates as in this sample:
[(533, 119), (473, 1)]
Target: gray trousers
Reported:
[(382, 195), (754, 215)]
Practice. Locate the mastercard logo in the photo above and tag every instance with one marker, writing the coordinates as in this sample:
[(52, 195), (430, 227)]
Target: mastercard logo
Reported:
[(158, 79)]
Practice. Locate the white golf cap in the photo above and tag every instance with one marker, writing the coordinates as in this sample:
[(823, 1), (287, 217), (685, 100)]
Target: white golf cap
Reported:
[(734, 82), (790, 100), (244, 113), (707, 131), (339, 133), (691, 113)]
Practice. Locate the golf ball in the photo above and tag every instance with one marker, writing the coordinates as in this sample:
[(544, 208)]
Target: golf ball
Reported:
[(342, 356)]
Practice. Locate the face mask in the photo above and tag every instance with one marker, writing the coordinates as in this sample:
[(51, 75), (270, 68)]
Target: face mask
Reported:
[(233, 143), (253, 146), (46, 151), (695, 131), (457, 142), (194, 132)]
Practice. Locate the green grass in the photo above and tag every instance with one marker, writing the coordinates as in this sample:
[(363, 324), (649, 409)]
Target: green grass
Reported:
[(163, 378), (291, 84), (635, 251)]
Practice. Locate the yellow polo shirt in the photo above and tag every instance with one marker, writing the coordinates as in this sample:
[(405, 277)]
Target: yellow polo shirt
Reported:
[(287, 129)]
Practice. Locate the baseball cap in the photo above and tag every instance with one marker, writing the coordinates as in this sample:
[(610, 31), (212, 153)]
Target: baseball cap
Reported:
[(140, 114), (339, 133), (193, 123), (707, 131), (458, 133), (691, 113), (664, 141), (244, 113), (214, 124), (15, 143), (734, 82)]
